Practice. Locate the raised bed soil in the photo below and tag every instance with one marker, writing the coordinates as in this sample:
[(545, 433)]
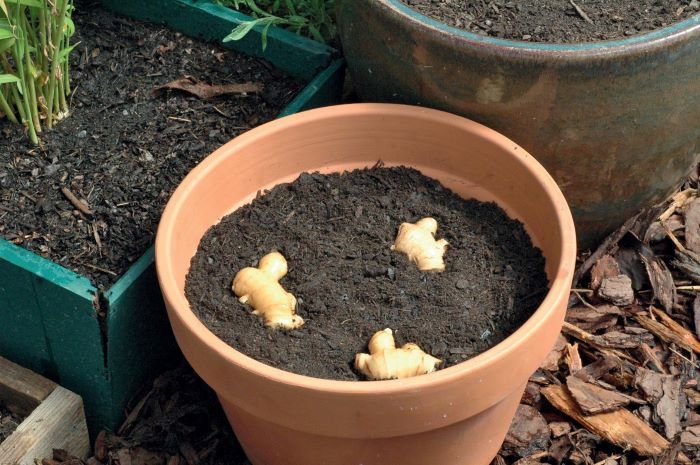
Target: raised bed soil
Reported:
[(124, 148)]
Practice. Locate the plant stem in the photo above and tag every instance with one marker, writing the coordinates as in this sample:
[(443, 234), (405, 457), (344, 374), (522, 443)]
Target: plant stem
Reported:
[(54, 49), (6, 109), (31, 97), (15, 96), (29, 74), (66, 85), (24, 100), (64, 90)]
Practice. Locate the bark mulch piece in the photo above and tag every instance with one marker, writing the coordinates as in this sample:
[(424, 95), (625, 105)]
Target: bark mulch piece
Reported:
[(562, 21), (90, 197), (9, 421), (621, 386)]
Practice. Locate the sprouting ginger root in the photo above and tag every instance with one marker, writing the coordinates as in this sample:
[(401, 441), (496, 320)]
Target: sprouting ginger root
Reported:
[(417, 240), (260, 288), (385, 361)]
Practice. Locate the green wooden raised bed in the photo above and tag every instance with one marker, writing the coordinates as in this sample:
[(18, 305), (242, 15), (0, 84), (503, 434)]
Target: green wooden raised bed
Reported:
[(103, 346)]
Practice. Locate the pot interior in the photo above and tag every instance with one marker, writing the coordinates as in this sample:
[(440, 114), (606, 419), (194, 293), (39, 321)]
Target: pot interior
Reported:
[(466, 157)]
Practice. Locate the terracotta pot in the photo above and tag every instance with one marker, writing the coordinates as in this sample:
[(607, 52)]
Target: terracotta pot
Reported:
[(614, 122), (458, 415)]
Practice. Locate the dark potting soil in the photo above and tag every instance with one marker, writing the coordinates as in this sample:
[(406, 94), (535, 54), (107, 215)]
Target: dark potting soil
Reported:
[(123, 148), (558, 21), (8, 422), (336, 232)]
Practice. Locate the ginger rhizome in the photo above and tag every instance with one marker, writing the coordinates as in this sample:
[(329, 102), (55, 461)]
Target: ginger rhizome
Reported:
[(385, 361), (417, 241), (260, 288)]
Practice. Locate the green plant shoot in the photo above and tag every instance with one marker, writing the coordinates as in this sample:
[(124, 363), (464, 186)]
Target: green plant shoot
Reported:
[(34, 65), (308, 18)]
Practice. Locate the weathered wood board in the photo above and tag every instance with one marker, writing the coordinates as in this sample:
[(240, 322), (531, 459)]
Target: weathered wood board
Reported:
[(55, 418)]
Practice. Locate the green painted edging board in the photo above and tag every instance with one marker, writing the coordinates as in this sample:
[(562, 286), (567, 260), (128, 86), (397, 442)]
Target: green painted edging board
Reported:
[(48, 314), (67, 279), (324, 89), (300, 57), (50, 325), (139, 337)]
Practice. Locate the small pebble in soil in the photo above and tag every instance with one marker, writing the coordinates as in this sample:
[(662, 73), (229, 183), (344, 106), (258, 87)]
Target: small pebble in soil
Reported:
[(349, 283)]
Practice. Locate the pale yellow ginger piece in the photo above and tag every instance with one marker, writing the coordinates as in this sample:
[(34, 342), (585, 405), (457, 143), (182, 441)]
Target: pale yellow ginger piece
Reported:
[(385, 361), (260, 288), (417, 241)]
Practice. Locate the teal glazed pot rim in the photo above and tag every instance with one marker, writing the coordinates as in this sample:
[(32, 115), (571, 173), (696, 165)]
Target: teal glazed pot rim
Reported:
[(659, 37)]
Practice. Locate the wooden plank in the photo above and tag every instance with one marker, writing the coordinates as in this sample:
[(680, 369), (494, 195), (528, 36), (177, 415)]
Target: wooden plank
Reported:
[(22, 390), (58, 423)]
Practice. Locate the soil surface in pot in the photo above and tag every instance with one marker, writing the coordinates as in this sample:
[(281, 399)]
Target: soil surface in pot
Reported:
[(8, 422), (123, 148), (559, 21), (336, 232)]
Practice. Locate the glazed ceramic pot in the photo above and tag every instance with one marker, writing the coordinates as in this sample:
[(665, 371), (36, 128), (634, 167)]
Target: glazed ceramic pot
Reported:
[(458, 415), (615, 122)]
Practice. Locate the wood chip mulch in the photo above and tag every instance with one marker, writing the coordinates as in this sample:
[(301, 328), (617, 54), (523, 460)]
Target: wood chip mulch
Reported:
[(620, 386)]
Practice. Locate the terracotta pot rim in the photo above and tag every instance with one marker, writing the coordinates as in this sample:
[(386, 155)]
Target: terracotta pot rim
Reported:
[(177, 303), (676, 32)]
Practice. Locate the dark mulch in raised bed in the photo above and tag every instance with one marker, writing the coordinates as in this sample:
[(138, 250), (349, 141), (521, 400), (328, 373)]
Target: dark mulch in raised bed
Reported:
[(8, 422), (123, 149), (562, 21), (630, 348), (336, 232)]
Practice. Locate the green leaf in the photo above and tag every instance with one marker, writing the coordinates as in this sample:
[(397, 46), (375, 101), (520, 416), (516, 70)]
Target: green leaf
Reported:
[(243, 29), (29, 3), (316, 34), (290, 8), (6, 33), (296, 20), (70, 27), (6, 43), (264, 35), (62, 55), (3, 7), (8, 78)]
